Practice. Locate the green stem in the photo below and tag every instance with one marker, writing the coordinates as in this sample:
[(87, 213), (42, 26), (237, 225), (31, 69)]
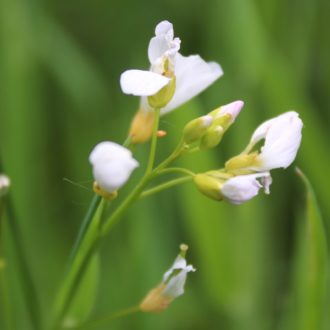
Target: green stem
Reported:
[(179, 150), (106, 319), (115, 217), (154, 139), (86, 250), (176, 170), (164, 186), (84, 226)]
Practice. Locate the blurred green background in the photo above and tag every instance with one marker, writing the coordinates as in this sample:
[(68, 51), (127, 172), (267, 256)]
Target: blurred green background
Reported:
[(60, 63)]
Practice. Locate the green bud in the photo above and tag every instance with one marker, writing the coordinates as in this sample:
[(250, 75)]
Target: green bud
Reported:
[(212, 137), (164, 96), (196, 128), (209, 186)]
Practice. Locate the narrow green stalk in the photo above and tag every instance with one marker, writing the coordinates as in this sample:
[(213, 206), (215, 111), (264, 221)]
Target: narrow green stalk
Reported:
[(106, 319), (154, 139), (127, 142), (164, 186), (85, 225), (176, 170), (179, 150), (115, 217), (87, 247)]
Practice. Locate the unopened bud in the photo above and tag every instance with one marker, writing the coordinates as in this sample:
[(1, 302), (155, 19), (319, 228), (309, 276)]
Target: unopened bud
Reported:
[(212, 137), (4, 184), (225, 115), (164, 96), (209, 185), (106, 195), (196, 128), (142, 126)]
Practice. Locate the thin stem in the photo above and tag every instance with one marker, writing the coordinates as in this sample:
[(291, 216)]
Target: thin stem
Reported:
[(80, 262), (84, 226), (115, 217), (127, 142), (154, 139), (176, 170), (103, 320), (164, 186)]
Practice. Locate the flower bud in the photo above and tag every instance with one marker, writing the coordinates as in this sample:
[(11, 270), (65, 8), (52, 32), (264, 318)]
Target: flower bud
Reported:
[(164, 96), (112, 166), (226, 114), (209, 185), (4, 184), (212, 137), (196, 128), (142, 126)]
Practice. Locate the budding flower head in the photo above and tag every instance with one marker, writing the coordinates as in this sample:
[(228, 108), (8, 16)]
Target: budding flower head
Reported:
[(112, 166), (172, 285), (4, 184), (196, 128), (222, 118)]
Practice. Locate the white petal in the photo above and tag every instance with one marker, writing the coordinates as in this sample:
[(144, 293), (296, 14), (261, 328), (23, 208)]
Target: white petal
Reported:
[(175, 286), (163, 43), (164, 28), (193, 75), (262, 130), (282, 142), (242, 188), (112, 165), (142, 83)]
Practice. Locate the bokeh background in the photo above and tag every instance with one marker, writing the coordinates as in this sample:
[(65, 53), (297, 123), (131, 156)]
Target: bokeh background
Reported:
[(60, 63)]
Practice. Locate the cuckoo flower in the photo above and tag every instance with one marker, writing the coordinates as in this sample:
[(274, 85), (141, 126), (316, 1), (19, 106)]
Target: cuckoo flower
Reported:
[(171, 287), (246, 173), (172, 80), (282, 136), (112, 166)]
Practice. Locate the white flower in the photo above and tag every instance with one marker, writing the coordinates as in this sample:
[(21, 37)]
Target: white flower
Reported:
[(4, 184), (282, 136), (171, 287), (175, 278), (242, 188), (112, 165), (192, 74)]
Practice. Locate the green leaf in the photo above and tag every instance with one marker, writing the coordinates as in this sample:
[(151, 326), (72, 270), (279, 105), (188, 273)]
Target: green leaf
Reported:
[(84, 299), (312, 264)]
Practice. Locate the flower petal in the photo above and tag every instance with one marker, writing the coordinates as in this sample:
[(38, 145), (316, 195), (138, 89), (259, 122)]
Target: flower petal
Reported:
[(193, 75), (142, 83), (282, 142), (242, 188), (163, 43)]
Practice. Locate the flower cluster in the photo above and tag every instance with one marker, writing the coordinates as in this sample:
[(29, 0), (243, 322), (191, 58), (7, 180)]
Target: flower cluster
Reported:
[(246, 173)]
